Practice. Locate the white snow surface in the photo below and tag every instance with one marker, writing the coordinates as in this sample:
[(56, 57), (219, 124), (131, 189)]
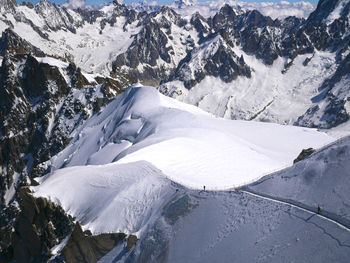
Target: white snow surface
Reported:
[(114, 175), (320, 180), (109, 198), (90, 47), (280, 97), (188, 145), (52, 62)]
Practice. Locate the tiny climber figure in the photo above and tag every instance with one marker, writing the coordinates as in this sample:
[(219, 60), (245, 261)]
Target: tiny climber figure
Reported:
[(203, 187), (318, 209)]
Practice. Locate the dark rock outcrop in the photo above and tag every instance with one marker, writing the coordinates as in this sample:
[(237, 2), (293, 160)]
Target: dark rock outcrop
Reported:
[(8, 6), (84, 247), (56, 17), (39, 110), (39, 226), (219, 61), (149, 46), (304, 154), (12, 43)]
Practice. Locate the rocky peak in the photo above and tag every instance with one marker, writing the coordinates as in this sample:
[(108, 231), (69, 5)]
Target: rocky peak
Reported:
[(27, 4), (148, 48), (200, 24), (89, 16), (224, 18), (56, 17), (166, 16), (7, 6), (119, 8), (118, 2), (255, 18), (328, 10), (214, 58)]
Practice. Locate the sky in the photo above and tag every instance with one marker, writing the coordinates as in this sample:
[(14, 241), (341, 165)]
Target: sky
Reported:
[(97, 2)]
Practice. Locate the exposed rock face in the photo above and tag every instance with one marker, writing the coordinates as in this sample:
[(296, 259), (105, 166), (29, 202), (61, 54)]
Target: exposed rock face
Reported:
[(324, 7), (39, 226), (216, 59), (90, 16), (10, 42), (62, 18), (331, 106), (164, 42), (148, 47), (267, 39), (131, 242), (200, 24), (157, 49), (304, 154), (83, 247), (224, 18), (41, 105), (119, 11), (149, 57), (7, 6)]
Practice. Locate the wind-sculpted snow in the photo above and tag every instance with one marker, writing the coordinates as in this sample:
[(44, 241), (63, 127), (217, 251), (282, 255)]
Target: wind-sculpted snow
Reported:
[(189, 146)]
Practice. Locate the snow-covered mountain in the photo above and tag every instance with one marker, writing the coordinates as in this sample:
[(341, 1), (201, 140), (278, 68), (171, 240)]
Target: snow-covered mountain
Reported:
[(299, 70), (273, 220), (190, 148), (128, 159), (42, 100), (306, 61), (275, 10), (125, 175)]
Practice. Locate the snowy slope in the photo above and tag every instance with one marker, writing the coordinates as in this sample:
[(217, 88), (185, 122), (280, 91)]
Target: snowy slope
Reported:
[(237, 227), (118, 174), (64, 33), (322, 179), (120, 158), (272, 220), (111, 198), (188, 145), (280, 97)]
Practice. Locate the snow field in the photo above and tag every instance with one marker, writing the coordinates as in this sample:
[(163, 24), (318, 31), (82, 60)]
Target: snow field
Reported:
[(114, 175)]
